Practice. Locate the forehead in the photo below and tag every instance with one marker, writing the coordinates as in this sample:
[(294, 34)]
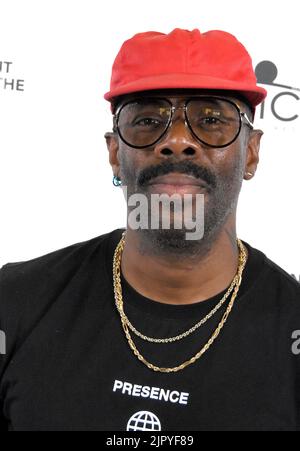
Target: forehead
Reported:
[(179, 94)]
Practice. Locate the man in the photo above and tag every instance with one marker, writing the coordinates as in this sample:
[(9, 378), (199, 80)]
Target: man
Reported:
[(153, 328)]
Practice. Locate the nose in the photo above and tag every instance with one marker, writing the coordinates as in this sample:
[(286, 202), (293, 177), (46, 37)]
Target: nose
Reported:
[(179, 140)]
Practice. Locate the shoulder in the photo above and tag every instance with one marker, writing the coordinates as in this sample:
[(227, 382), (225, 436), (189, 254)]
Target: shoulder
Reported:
[(283, 280), (287, 279), (29, 288), (275, 283), (58, 263), (288, 293)]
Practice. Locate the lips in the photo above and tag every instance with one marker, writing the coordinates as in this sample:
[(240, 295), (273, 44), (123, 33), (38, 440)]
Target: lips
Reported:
[(177, 179), (177, 183)]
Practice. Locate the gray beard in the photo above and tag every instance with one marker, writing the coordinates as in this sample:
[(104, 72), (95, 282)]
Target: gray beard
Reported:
[(220, 202), (172, 242)]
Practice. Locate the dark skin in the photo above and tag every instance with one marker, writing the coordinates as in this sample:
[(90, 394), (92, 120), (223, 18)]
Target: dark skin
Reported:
[(186, 279)]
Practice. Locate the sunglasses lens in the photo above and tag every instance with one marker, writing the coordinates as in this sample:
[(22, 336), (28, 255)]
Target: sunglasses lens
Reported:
[(215, 122), (142, 122)]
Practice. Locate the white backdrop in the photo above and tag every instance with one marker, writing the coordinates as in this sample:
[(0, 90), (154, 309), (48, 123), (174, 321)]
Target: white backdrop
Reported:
[(55, 179)]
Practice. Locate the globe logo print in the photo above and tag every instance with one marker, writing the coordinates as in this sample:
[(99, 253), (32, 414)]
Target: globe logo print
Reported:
[(144, 421)]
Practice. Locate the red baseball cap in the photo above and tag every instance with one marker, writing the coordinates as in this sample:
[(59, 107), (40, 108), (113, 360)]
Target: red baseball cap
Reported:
[(184, 59)]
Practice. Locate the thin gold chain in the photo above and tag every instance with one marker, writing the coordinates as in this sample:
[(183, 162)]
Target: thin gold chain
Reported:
[(124, 320), (188, 332)]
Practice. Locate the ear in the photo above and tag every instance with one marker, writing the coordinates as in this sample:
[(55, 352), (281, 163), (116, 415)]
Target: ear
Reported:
[(113, 148), (253, 148)]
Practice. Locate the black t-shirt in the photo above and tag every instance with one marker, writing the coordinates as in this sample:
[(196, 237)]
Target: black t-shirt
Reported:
[(68, 365)]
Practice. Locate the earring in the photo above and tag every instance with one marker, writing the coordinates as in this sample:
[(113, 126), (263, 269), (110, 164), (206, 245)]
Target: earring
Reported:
[(117, 181)]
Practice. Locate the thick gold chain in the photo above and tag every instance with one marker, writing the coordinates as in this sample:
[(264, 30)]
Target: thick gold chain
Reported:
[(124, 320)]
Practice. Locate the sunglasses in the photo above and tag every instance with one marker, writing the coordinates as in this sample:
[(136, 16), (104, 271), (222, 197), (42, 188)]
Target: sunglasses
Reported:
[(214, 121)]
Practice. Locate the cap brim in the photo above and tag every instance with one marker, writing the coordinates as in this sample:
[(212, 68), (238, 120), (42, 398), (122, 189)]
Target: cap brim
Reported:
[(254, 94)]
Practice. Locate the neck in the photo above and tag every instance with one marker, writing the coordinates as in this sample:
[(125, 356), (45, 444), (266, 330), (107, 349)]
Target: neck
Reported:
[(181, 281)]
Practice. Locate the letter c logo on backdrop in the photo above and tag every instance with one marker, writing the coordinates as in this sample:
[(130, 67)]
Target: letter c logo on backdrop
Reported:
[(266, 73)]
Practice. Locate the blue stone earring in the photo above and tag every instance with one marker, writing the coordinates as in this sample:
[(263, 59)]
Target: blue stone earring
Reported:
[(117, 181)]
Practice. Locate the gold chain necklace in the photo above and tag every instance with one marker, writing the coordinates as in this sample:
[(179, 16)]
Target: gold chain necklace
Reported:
[(125, 322), (184, 334)]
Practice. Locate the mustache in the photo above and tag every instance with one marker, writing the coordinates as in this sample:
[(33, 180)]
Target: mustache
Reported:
[(182, 167)]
